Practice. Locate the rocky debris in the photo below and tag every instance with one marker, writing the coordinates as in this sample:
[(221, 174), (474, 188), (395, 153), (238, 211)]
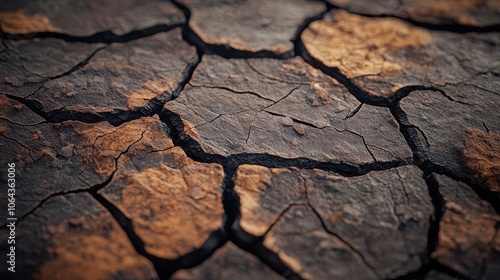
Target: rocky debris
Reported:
[(390, 54), (323, 225), (468, 234), (76, 18), (256, 107), (62, 157), (174, 203), (74, 237), (228, 263), (252, 26), (26, 65), (459, 143), (464, 12), (127, 76)]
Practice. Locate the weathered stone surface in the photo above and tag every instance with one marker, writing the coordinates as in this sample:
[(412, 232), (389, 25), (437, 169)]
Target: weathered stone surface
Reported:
[(74, 237), (16, 113), (461, 134), (483, 157), (302, 243), (124, 76), (228, 263), (174, 203), (465, 12), (254, 25), (25, 65), (265, 193), (468, 235), (65, 156), (86, 18), (258, 111), (376, 224), (382, 55)]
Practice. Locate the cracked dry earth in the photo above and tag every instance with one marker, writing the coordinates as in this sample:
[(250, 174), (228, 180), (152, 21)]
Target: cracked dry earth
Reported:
[(252, 139)]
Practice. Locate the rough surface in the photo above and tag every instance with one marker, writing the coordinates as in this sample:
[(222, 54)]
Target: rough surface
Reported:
[(65, 156), (468, 236), (383, 55), (228, 263), (230, 139), (126, 75), (308, 118), (463, 12), (324, 225), (68, 238), (26, 65), (467, 145), (78, 18), (255, 25), (157, 189), (483, 156)]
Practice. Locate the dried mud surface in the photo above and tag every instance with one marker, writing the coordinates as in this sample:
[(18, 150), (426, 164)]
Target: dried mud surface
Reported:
[(229, 139)]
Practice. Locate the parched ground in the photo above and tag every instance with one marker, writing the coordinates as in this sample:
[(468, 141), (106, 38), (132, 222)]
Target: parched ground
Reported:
[(233, 139)]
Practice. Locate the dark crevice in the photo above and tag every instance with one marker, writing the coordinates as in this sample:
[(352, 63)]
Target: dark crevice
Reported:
[(356, 91), (428, 263), (297, 43), (115, 117), (164, 268), (106, 37), (194, 150), (268, 257), (222, 50), (230, 200), (450, 27), (415, 138)]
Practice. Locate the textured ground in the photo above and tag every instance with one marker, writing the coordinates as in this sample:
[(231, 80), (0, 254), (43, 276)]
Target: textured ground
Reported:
[(252, 139)]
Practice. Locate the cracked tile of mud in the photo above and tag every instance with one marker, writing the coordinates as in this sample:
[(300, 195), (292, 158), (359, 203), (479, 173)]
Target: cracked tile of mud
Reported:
[(382, 55), (77, 18), (66, 156), (255, 25), (469, 238), (122, 76), (174, 203), (324, 226), (460, 132), (284, 108), (229, 262), (26, 65), (464, 12), (74, 237)]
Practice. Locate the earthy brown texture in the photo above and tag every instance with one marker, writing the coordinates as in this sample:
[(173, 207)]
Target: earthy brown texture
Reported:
[(483, 157), (383, 55), (26, 65), (79, 18), (255, 25), (174, 203), (364, 218), (127, 76), (69, 238), (261, 112), (468, 236), (65, 156), (454, 142), (464, 12), (250, 139), (228, 263)]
